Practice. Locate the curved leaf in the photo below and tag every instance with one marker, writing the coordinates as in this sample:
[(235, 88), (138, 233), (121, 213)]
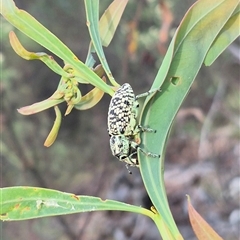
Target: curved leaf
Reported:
[(226, 36), (39, 106), (90, 99), (183, 60), (107, 26), (36, 31), (54, 131), (92, 12), (21, 203), (201, 228), (48, 60), (110, 19)]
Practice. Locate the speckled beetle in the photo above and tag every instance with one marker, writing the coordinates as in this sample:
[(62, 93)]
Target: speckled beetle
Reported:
[(122, 125)]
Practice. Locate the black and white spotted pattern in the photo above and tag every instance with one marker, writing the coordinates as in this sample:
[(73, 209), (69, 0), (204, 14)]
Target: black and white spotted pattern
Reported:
[(125, 149), (123, 127), (122, 111)]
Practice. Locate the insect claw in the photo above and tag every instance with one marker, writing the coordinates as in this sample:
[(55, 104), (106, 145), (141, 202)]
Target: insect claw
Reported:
[(153, 155), (146, 129), (128, 168)]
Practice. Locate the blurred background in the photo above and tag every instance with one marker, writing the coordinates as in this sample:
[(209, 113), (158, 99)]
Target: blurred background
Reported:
[(202, 157)]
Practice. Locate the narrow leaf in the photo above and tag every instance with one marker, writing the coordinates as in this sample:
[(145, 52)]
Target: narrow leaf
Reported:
[(21, 203), (36, 31), (110, 19), (92, 13), (55, 129), (201, 228), (90, 99), (41, 106), (226, 36), (48, 60), (90, 61), (185, 56)]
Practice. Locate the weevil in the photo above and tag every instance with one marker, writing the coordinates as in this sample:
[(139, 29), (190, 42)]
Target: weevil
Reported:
[(123, 126)]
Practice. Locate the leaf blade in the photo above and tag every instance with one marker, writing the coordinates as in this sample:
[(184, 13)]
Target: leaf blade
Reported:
[(36, 31), (201, 228), (21, 203), (226, 36), (188, 50), (110, 19), (92, 13)]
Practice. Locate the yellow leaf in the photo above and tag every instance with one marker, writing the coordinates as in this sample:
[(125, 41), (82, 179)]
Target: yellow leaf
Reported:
[(90, 99), (110, 19), (54, 131)]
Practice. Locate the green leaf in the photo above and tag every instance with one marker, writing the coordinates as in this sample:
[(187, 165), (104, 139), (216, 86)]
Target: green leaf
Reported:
[(92, 13), (188, 49), (226, 36), (90, 61), (36, 31), (107, 27), (48, 60), (21, 203), (110, 19)]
